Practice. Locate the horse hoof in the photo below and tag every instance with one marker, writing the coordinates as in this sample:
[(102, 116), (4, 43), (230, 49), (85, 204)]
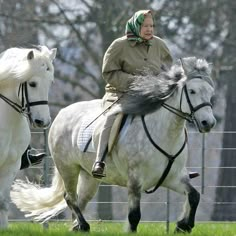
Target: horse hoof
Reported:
[(183, 228), (81, 228), (186, 229)]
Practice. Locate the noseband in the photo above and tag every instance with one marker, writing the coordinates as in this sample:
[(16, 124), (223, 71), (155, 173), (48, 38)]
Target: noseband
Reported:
[(24, 108)]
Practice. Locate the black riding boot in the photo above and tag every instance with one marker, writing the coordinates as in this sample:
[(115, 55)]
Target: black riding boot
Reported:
[(31, 157), (98, 169)]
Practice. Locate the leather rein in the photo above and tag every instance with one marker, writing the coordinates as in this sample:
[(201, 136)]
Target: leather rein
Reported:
[(24, 108), (189, 117)]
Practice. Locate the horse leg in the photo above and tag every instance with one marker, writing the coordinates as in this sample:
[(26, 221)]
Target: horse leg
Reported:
[(7, 176), (134, 214), (4, 205), (191, 203), (86, 189), (70, 175)]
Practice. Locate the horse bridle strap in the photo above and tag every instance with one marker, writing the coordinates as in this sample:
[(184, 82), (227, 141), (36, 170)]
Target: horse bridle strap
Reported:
[(194, 109), (189, 117), (14, 105), (25, 105), (170, 157)]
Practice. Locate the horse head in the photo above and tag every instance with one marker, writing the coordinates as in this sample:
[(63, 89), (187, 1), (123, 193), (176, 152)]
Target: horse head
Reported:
[(31, 73), (188, 77), (197, 93), (38, 85)]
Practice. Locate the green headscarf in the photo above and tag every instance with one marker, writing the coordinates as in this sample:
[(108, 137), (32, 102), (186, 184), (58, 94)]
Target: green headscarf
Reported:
[(133, 26)]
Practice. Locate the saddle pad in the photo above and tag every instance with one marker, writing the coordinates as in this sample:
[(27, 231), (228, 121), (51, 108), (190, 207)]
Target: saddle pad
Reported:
[(89, 132), (84, 141)]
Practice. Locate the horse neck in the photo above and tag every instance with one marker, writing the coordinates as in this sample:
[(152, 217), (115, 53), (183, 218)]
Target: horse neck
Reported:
[(10, 90), (8, 114), (167, 121)]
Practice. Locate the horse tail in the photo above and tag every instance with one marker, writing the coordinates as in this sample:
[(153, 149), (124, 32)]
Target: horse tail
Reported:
[(39, 203)]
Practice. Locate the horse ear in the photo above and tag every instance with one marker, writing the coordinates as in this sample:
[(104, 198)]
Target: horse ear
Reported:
[(53, 53), (188, 63), (210, 67), (30, 55)]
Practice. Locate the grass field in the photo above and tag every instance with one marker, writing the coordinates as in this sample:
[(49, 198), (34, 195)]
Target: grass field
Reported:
[(104, 228)]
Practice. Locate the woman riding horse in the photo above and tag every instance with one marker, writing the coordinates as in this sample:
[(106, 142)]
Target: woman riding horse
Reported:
[(128, 56)]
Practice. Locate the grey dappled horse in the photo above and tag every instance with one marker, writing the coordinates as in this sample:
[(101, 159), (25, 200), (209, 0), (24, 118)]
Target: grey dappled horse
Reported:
[(151, 150)]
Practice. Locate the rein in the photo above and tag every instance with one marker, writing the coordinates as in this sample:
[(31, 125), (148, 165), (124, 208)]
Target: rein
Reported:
[(24, 108), (14, 105), (170, 157)]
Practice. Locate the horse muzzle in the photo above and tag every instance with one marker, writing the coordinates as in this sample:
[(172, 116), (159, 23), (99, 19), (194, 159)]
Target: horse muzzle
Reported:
[(37, 123), (205, 126)]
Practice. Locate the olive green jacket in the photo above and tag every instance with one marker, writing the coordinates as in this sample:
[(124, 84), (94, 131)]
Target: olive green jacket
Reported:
[(125, 58)]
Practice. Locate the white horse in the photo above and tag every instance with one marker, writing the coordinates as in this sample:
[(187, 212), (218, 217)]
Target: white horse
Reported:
[(25, 78), (149, 152)]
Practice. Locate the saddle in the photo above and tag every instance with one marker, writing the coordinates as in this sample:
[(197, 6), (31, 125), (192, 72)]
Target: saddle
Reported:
[(90, 129)]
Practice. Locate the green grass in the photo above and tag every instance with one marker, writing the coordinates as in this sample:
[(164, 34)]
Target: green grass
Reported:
[(105, 228)]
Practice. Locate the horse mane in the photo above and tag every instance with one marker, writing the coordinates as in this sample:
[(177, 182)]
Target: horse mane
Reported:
[(14, 63), (148, 91)]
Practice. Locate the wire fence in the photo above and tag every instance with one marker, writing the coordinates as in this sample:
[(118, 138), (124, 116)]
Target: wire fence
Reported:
[(110, 203)]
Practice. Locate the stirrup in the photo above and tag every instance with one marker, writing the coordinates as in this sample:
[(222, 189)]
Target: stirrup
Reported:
[(98, 169), (193, 175)]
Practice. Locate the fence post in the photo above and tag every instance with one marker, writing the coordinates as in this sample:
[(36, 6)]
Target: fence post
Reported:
[(203, 165), (46, 167), (46, 160), (167, 211)]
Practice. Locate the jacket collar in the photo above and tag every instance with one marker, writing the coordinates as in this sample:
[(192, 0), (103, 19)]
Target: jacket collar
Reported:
[(133, 43)]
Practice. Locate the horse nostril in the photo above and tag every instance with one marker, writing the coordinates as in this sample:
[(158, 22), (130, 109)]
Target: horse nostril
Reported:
[(39, 122), (204, 123)]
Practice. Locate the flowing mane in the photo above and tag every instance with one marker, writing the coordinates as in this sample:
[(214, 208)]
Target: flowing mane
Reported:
[(14, 62), (148, 91)]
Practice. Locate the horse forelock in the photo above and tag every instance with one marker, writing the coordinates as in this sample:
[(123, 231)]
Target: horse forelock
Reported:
[(14, 62), (197, 67)]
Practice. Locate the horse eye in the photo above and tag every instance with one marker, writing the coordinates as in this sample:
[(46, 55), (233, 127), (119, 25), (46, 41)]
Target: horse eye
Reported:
[(191, 91), (32, 84)]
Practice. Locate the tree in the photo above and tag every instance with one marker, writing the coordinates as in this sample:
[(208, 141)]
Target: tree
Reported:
[(12, 31)]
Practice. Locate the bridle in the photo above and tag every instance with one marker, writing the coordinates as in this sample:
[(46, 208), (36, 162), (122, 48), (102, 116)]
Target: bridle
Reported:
[(187, 116), (179, 112), (24, 108)]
